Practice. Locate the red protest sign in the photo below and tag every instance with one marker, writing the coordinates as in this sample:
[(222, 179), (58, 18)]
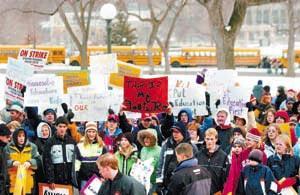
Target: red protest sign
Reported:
[(146, 95)]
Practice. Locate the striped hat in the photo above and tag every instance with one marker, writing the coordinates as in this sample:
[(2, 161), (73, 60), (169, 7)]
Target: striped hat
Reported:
[(254, 135)]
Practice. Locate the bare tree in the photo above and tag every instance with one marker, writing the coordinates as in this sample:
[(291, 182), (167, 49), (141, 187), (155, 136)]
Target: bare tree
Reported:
[(225, 33)]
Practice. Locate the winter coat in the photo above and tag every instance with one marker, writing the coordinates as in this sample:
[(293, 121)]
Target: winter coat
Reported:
[(258, 180), (167, 160), (29, 153), (245, 154), (257, 91), (3, 170), (86, 156), (279, 99), (40, 141), (122, 184), (217, 164), (260, 112), (111, 140), (297, 130), (189, 178), (284, 166), (126, 159), (58, 159), (269, 148)]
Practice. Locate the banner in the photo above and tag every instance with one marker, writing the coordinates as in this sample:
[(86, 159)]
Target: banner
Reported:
[(37, 58), (92, 186), (146, 95), (44, 91), (187, 95), (16, 74), (89, 106), (74, 78), (235, 99), (59, 189)]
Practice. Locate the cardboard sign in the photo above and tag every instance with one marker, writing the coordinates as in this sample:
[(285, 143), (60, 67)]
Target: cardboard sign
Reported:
[(74, 78), (44, 90), (89, 106), (104, 63), (59, 189), (92, 186), (186, 94), (16, 74), (37, 58), (235, 99), (146, 95)]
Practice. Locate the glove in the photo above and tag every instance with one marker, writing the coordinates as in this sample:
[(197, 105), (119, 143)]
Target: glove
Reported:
[(218, 102), (27, 165), (111, 111), (68, 114), (250, 106), (64, 107), (159, 188)]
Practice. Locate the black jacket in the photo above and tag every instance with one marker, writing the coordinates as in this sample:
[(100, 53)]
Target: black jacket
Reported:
[(217, 164), (122, 184), (189, 179), (58, 160), (224, 136), (3, 171)]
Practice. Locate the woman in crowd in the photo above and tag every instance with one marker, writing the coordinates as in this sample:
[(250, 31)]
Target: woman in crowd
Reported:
[(271, 134)]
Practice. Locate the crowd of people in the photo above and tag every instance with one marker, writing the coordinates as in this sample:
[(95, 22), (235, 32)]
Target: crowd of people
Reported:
[(219, 154)]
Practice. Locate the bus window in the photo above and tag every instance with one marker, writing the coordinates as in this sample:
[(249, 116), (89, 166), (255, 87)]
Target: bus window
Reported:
[(213, 53)]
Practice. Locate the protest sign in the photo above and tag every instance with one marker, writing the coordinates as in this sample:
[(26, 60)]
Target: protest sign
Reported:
[(89, 106), (59, 189), (92, 186), (44, 91), (74, 78), (188, 95), (16, 74), (235, 99), (37, 58), (104, 63), (146, 95)]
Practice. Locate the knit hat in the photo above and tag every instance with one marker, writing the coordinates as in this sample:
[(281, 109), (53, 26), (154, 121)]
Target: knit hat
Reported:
[(256, 155), (239, 141), (15, 107), (128, 136), (91, 125), (113, 117), (238, 130), (254, 135), (201, 76), (4, 131), (291, 90), (49, 110), (282, 114), (179, 126)]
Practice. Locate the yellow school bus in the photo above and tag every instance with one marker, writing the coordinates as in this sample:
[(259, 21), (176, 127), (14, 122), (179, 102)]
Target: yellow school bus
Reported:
[(131, 54), (57, 54), (206, 56), (284, 59)]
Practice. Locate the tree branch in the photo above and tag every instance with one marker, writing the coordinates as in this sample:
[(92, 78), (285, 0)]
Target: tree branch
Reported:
[(261, 2), (92, 3), (139, 17)]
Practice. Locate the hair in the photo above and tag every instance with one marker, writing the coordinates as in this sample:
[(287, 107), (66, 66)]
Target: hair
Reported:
[(265, 136), (273, 111), (108, 160), (287, 141), (186, 149), (193, 126), (222, 111), (13, 125), (61, 120), (211, 132), (86, 141)]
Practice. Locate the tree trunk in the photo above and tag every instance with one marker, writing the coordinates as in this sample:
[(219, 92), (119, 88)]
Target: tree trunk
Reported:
[(291, 42), (84, 57), (167, 61), (224, 50), (150, 46)]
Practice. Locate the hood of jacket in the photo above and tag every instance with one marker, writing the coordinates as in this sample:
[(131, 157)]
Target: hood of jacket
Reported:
[(15, 136), (39, 129), (189, 113), (149, 133), (191, 162), (227, 121)]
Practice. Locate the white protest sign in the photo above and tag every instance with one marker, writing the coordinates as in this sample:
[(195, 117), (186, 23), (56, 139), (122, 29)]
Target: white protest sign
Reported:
[(89, 106), (104, 63), (235, 99), (115, 98), (16, 74), (44, 91), (92, 187), (37, 58), (59, 189), (82, 89)]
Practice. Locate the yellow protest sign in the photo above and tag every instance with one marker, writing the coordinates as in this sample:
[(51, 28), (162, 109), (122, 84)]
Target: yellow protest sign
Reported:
[(74, 78)]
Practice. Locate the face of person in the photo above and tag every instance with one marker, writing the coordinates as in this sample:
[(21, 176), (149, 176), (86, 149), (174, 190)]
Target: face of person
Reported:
[(45, 131), (146, 122), (237, 135), (61, 129), (124, 142), (5, 138), (272, 133), (154, 122), (210, 142), (147, 141), (104, 172), (21, 138), (221, 118), (91, 134), (279, 120), (239, 121), (237, 149), (267, 98), (193, 134), (280, 147), (270, 117), (15, 115), (289, 105), (184, 117), (177, 136), (49, 117), (112, 125), (251, 144)]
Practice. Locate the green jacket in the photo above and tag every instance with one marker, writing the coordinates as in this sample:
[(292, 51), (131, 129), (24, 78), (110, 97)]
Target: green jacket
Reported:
[(125, 163), (151, 152)]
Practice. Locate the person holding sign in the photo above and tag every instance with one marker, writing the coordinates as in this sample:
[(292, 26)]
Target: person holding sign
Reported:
[(115, 182), (21, 154)]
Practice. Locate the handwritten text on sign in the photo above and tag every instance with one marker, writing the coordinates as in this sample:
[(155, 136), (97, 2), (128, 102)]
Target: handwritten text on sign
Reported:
[(146, 95)]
